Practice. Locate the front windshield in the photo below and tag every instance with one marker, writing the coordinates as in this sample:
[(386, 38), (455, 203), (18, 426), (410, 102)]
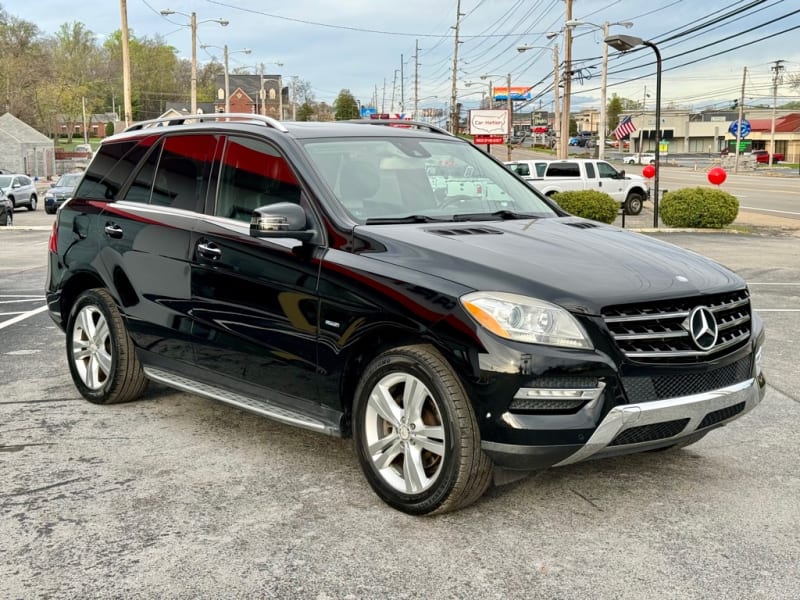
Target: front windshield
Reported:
[(399, 177), (69, 180)]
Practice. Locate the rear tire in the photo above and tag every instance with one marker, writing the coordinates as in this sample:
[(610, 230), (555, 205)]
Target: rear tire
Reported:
[(416, 434), (32, 204), (101, 356)]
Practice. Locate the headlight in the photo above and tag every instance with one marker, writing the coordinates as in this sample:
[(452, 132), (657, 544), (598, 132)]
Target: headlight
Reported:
[(48, 195), (524, 319)]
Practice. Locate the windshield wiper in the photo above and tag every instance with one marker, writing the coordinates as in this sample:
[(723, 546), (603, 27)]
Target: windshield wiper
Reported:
[(502, 215), (402, 220)]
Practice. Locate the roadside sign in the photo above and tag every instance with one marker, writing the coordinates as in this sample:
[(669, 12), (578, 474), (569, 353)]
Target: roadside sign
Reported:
[(488, 139), (735, 125), (488, 122)]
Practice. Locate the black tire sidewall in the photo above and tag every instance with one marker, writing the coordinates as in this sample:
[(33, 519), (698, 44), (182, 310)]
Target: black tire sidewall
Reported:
[(428, 500), (93, 298)]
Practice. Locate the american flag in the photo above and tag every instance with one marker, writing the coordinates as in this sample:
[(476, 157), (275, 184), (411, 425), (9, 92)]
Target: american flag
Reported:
[(626, 127)]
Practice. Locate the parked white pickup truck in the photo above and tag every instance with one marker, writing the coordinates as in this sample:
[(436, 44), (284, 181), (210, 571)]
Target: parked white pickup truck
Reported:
[(553, 176)]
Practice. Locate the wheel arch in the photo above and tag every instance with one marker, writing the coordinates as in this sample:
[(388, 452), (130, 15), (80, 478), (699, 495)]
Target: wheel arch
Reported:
[(74, 287), (368, 348)]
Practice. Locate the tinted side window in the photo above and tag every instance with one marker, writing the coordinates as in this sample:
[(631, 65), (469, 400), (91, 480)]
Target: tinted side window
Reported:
[(521, 169), (142, 184), (606, 170), (181, 180), (110, 168), (253, 174), (24, 180), (589, 171), (563, 170)]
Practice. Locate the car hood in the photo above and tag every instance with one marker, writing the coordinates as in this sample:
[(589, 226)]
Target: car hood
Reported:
[(579, 264)]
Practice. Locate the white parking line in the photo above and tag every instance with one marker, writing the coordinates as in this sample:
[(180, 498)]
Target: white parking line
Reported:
[(23, 316)]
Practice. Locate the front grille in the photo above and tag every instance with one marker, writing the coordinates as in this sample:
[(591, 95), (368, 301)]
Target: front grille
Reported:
[(657, 332), (646, 389), (717, 416), (649, 433)]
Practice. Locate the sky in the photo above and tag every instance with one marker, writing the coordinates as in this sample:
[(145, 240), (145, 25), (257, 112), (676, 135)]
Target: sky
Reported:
[(369, 48)]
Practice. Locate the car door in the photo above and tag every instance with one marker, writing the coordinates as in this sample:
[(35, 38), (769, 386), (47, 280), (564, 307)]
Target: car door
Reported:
[(255, 301), (147, 235), (610, 181)]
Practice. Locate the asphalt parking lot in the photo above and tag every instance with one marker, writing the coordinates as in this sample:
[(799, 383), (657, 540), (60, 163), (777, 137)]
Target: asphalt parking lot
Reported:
[(176, 496)]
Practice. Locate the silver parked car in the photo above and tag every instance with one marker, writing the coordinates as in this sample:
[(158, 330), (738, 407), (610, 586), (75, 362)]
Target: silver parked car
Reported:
[(20, 190)]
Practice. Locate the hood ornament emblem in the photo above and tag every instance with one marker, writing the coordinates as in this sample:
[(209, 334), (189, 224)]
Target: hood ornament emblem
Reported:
[(702, 326)]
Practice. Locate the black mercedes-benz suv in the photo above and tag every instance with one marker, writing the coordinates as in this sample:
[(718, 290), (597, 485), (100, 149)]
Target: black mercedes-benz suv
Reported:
[(398, 285)]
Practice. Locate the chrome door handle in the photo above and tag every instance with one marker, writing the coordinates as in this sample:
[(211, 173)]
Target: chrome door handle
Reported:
[(113, 230), (209, 250)]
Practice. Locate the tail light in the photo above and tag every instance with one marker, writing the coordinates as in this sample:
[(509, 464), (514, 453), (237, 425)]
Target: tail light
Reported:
[(52, 245)]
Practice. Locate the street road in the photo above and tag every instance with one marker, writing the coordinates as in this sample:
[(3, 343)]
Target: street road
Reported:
[(175, 496), (756, 192)]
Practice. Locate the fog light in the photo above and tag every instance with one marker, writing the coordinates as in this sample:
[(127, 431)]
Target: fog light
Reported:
[(555, 399)]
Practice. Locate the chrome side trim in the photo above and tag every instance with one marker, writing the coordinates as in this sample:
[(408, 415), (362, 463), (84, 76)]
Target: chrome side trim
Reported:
[(621, 418), (260, 407)]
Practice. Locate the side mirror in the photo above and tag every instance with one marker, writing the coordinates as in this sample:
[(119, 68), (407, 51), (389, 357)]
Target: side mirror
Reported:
[(52, 185), (281, 220), (622, 174)]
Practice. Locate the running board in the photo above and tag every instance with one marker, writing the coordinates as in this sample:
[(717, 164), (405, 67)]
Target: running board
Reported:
[(248, 403)]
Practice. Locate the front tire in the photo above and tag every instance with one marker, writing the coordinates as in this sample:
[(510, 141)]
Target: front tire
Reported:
[(416, 434), (101, 356), (634, 203)]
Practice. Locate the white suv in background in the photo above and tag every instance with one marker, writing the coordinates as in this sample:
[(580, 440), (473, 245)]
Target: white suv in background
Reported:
[(20, 190)]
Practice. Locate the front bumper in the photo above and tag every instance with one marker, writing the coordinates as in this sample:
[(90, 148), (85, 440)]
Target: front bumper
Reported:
[(642, 426)]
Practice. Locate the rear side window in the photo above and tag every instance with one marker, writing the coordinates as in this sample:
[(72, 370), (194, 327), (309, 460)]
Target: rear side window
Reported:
[(110, 169), (253, 174), (184, 168), (564, 170), (589, 171)]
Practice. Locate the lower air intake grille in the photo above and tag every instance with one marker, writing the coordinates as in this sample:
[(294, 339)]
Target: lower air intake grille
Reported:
[(649, 433), (646, 389), (715, 417)]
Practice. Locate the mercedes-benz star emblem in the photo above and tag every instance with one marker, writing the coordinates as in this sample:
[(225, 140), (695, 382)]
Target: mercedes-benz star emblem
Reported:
[(702, 326)]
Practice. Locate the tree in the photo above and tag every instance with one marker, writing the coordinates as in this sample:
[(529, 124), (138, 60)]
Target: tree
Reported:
[(20, 49), (613, 111), (305, 112), (345, 106)]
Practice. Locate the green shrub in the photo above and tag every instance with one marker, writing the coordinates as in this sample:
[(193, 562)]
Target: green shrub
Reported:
[(700, 207), (589, 204)]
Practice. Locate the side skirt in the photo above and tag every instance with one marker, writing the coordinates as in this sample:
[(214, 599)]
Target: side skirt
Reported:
[(326, 422)]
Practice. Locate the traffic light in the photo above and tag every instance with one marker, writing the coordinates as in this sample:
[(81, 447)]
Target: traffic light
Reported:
[(735, 104)]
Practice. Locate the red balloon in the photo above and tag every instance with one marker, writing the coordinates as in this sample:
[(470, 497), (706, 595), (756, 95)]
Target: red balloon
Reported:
[(717, 175), (649, 171)]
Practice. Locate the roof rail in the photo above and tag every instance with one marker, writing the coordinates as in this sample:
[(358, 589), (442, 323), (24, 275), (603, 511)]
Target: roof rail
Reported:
[(206, 117), (403, 123)]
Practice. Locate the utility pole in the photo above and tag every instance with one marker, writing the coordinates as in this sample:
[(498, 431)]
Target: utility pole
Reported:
[(556, 82), (394, 87), (126, 65), (601, 153), (739, 127), (416, 81), (454, 93), (402, 83), (777, 79), (567, 81)]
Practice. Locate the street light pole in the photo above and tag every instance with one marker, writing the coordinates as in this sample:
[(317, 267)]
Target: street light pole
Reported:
[(624, 43), (556, 115), (193, 25), (603, 125)]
